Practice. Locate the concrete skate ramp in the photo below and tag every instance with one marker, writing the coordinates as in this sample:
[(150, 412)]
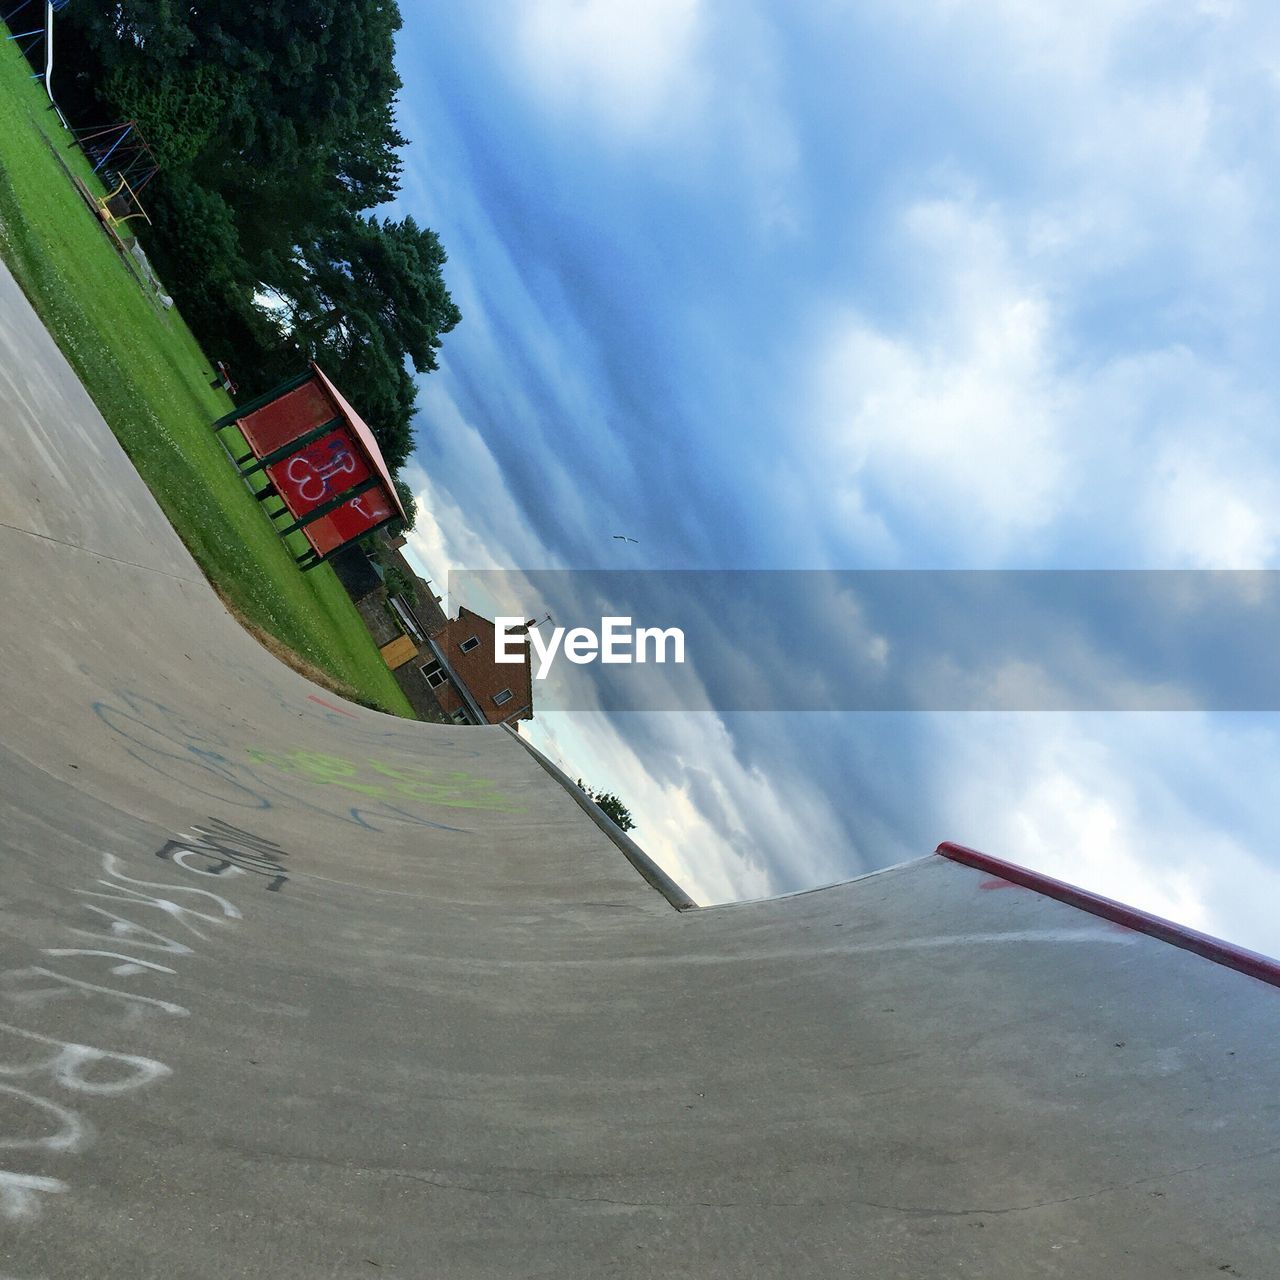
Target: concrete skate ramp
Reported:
[(293, 989)]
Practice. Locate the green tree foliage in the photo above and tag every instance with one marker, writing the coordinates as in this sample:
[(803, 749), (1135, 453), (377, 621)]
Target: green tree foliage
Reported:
[(367, 297), (179, 112), (398, 583), (226, 279), (612, 806), (274, 121), (394, 577), (409, 501), (384, 275)]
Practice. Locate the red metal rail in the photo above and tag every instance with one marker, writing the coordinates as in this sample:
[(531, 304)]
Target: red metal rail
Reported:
[(1264, 968)]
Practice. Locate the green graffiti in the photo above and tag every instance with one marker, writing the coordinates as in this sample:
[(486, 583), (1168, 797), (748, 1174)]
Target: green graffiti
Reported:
[(455, 789)]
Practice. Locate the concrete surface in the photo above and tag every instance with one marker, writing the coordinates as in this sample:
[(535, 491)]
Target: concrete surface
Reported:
[(463, 1038)]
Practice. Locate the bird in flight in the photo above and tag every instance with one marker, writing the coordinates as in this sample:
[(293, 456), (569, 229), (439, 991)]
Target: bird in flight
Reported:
[(622, 537)]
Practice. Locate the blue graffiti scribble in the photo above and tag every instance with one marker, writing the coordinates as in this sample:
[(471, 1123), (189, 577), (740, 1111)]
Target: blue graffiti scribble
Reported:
[(157, 733)]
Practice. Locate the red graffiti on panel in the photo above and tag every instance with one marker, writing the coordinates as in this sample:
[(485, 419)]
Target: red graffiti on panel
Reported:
[(319, 473)]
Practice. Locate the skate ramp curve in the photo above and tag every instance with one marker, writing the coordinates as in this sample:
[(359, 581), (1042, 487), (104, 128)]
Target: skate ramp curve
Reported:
[(291, 988)]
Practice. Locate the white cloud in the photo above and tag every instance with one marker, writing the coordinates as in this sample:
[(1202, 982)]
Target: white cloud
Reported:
[(1207, 512), (755, 123), (1081, 375), (1080, 830), (700, 87), (1132, 807), (1078, 372), (630, 66), (962, 418), (734, 838), (728, 831), (484, 530)]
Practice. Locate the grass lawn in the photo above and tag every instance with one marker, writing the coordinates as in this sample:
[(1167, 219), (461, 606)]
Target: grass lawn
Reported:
[(150, 380)]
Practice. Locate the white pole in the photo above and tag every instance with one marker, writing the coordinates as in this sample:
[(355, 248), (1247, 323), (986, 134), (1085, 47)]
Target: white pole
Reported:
[(48, 60)]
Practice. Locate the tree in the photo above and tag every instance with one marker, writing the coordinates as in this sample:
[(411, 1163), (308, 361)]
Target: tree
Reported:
[(398, 583), (177, 112), (410, 504), (215, 275), (611, 805), (275, 124), (367, 297), (358, 275)]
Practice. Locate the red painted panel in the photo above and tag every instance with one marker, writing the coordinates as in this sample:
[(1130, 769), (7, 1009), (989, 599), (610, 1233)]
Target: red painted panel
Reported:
[(318, 473), (288, 417), (361, 514), (349, 521), (363, 434)]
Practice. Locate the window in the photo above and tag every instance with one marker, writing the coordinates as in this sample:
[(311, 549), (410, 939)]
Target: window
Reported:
[(503, 695), (460, 717), (469, 643), (435, 674)]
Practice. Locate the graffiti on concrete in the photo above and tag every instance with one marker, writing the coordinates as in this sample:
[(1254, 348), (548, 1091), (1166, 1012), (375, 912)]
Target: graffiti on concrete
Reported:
[(48, 1083), (217, 848), (167, 742), (451, 788), (204, 762)]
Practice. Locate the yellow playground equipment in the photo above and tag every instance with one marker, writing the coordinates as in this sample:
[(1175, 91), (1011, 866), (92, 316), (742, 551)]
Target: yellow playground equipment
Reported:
[(121, 205)]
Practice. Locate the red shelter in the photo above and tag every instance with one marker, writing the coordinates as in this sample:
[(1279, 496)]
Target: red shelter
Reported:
[(321, 462)]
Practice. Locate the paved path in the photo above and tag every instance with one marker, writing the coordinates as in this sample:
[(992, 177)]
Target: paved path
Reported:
[(289, 988)]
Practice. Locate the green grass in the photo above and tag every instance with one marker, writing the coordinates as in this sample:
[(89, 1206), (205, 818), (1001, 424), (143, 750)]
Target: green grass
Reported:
[(150, 380)]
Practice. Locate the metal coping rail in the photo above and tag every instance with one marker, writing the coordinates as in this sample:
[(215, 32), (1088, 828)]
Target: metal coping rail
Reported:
[(1264, 968)]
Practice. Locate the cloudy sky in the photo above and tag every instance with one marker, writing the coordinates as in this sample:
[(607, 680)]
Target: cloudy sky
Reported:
[(873, 285)]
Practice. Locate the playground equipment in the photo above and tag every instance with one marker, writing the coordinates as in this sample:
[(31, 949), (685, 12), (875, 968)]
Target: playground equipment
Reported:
[(119, 152), (33, 38), (222, 378), (322, 464), (121, 205), (121, 156)]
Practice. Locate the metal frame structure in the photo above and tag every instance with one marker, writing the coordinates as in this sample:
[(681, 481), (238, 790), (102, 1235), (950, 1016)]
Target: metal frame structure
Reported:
[(123, 143)]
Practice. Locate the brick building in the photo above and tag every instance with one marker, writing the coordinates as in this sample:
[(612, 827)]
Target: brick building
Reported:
[(470, 685), (446, 668)]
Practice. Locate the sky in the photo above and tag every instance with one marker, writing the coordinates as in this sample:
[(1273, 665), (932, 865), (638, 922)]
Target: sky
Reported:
[(867, 286)]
